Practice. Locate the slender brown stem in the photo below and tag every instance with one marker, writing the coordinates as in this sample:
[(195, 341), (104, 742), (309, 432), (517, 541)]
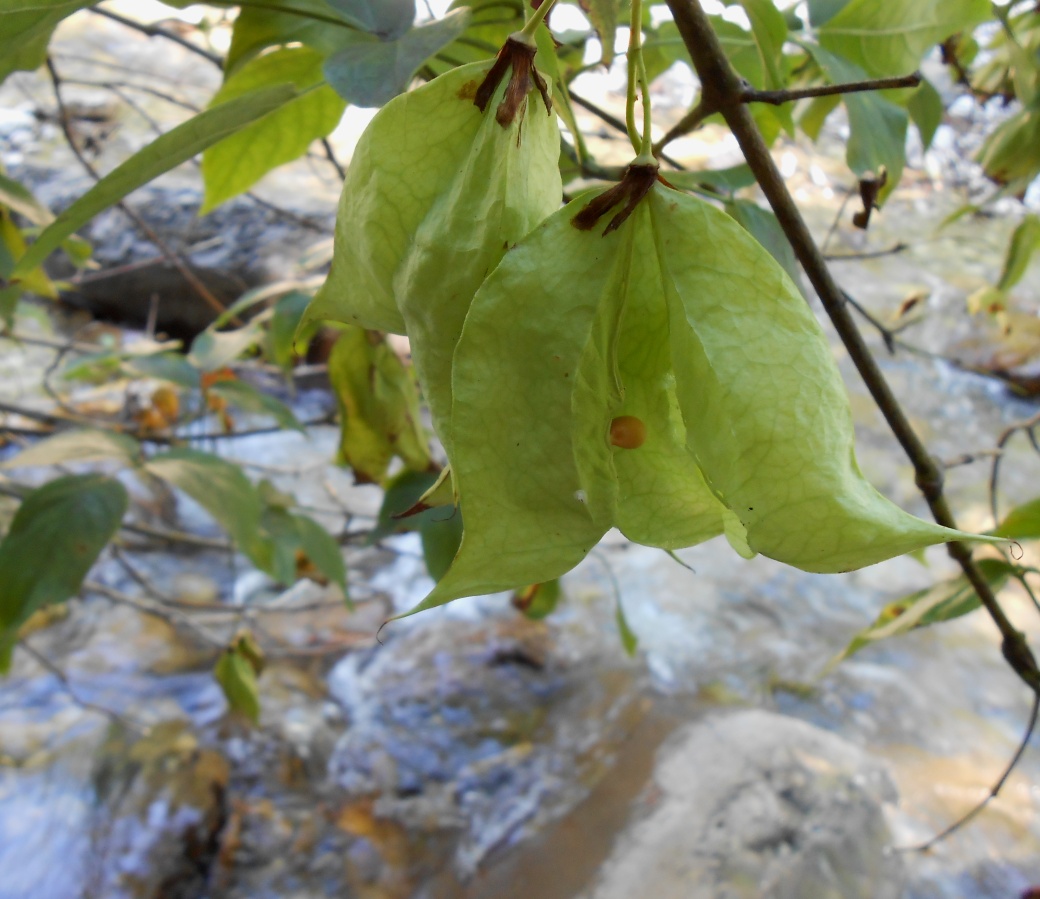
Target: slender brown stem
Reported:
[(175, 260), (778, 98), (723, 88), (746, 94), (158, 31), (994, 791), (63, 679)]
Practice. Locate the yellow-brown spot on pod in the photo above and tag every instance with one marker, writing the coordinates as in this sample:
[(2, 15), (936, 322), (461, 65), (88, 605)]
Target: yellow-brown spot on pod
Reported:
[(627, 432)]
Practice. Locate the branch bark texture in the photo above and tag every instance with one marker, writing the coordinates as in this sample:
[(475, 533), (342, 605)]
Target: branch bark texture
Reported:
[(722, 89)]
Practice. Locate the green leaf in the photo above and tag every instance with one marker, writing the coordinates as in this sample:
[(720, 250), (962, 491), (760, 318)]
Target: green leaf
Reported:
[(1021, 523), (370, 72), (387, 18), (214, 349), (237, 162), (941, 602), (1011, 153), (816, 112), (25, 31), (218, 486), (402, 492), (12, 249), (604, 15), (172, 367), (629, 640), (891, 38), (81, 445), (164, 153), (822, 11), (236, 671), (1025, 241), (926, 110), (728, 180), (247, 398), (680, 319), (877, 127), (19, 199), (539, 600), (441, 533), (291, 21), (769, 29), (56, 536), (379, 406), (764, 226), (288, 312), (323, 551)]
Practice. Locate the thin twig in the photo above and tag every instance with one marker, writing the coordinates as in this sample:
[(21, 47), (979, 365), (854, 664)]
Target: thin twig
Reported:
[(711, 102), (158, 31), (994, 790), (994, 474), (173, 617), (778, 98), (720, 85), (174, 259), (898, 247), (330, 155), (63, 679)]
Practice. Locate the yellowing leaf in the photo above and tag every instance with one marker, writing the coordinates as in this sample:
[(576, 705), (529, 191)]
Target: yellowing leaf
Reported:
[(379, 406), (677, 317), (942, 602), (236, 671)]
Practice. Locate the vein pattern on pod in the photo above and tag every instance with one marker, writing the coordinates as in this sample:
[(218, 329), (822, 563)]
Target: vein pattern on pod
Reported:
[(675, 317)]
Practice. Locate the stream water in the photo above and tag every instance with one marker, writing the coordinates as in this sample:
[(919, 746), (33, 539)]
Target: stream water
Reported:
[(479, 754)]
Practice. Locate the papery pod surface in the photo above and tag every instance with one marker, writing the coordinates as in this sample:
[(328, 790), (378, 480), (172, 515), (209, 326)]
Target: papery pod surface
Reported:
[(680, 319), (436, 192), (767, 415)]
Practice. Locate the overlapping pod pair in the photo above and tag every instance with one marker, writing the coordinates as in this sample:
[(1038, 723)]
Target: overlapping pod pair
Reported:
[(443, 181), (662, 375)]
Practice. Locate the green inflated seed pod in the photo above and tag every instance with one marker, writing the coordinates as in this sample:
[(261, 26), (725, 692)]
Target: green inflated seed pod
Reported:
[(438, 189), (673, 315)]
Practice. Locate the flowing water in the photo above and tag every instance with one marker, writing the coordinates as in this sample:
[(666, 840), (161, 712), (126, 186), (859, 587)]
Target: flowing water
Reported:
[(479, 754)]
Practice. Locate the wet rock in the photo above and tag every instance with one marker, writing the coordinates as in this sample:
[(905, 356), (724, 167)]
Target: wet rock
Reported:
[(466, 737), (162, 812), (237, 246), (755, 804)]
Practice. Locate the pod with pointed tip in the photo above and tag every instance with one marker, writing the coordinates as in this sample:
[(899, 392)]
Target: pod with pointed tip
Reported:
[(678, 317)]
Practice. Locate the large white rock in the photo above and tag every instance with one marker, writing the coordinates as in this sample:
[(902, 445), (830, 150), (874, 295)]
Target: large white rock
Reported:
[(754, 804)]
